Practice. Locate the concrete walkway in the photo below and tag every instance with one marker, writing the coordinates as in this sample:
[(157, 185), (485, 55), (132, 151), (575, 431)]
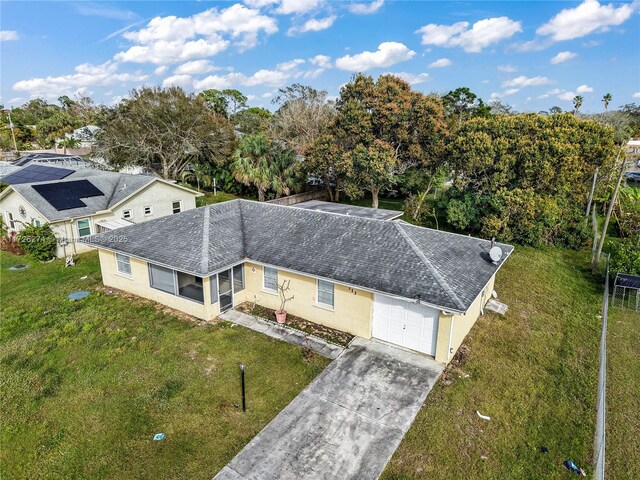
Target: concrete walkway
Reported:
[(283, 333), (346, 424)]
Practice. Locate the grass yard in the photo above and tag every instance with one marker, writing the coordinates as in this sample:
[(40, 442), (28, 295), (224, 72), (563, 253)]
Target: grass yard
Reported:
[(534, 372), (211, 199), (86, 385), (623, 394)]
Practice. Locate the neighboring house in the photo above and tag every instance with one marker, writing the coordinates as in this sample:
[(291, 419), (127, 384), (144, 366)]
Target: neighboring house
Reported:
[(85, 136), (79, 203), (419, 288)]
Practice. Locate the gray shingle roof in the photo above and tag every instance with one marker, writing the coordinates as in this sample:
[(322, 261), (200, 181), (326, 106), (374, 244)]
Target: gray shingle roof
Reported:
[(439, 268), (114, 186)]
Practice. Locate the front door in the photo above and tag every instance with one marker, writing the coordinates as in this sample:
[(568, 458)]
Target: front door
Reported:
[(225, 290)]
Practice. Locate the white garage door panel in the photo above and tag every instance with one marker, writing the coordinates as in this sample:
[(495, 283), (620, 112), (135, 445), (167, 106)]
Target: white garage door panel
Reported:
[(407, 324)]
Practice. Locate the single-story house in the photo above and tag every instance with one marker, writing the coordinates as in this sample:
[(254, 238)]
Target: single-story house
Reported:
[(79, 203), (415, 287)]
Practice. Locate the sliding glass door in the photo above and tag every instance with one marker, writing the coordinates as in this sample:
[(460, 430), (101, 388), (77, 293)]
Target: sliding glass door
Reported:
[(225, 290)]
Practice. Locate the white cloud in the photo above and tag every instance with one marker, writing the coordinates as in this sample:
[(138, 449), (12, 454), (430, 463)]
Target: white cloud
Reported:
[(507, 68), (288, 7), (177, 81), (388, 53), (523, 81), (85, 75), (365, 8), (270, 78), (313, 25), (506, 93), (8, 35), (96, 9), (636, 95), (584, 89), (163, 52), (441, 62), (260, 3), (566, 96), (481, 34), (562, 57), (410, 78), (161, 70), (195, 67), (590, 16), (267, 95), (171, 39), (591, 43), (323, 61)]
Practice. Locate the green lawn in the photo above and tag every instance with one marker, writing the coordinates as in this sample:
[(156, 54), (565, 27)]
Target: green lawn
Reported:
[(86, 384), (210, 199), (534, 372)]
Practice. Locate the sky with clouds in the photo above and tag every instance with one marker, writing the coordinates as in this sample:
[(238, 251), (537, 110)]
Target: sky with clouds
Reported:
[(530, 54)]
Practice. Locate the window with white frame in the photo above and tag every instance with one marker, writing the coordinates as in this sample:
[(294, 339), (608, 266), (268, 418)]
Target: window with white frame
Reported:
[(84, 227), (325, 293), (148, 210), (176, 207), (127, 214), (270, 279), (10, 220), (123, 263), (162, 278)]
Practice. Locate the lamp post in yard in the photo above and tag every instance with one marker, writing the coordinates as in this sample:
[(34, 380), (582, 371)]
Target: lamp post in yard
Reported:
[(244, 402)]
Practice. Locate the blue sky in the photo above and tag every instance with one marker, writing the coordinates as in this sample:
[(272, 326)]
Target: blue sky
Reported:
[(530, 54)]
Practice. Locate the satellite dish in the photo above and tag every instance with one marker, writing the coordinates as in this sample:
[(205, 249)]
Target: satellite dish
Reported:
[(496, 254)]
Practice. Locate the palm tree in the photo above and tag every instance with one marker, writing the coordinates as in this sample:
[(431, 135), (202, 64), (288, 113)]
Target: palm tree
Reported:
[(606, 99), (200, 172), (251, 164), (283, 167), (577, 103)]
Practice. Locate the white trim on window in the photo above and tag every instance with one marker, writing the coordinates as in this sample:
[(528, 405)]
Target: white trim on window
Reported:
[(177, 209), (127, 214), (325, 294), (147, 210), (123, 265), (79, 228), (269, 279)]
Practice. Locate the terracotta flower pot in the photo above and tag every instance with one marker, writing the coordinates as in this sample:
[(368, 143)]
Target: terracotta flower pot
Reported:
[(281, 317)]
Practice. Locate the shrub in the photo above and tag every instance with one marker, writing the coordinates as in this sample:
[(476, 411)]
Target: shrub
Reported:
[(38, 241), (625, 256)]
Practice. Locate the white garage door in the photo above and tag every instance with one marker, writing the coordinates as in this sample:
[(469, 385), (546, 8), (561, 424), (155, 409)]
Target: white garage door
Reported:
[(407, 324)]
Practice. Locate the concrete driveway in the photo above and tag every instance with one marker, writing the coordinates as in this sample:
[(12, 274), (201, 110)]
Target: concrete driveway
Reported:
[(347, 423)]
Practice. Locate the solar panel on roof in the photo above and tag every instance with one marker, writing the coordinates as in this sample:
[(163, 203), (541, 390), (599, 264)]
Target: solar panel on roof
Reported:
[(36, 173), (67, 195)]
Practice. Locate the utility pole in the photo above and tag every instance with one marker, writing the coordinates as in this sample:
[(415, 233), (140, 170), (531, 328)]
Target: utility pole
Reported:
[(610, 209), (593, 187), (13, 135)]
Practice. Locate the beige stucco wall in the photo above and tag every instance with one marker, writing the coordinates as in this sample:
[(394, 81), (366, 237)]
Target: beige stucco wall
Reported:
[(159, 195), (352, 307), (138, 284), (461, 325)]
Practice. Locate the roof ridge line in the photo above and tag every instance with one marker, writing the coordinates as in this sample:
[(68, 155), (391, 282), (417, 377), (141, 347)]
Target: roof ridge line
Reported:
[(204, 259), (441, 281)]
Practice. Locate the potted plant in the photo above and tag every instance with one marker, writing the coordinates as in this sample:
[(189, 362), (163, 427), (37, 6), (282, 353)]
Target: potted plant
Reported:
[(281, 315)]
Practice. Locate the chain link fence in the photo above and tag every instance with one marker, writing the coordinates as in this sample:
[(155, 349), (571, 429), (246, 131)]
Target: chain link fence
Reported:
[(601, 424)]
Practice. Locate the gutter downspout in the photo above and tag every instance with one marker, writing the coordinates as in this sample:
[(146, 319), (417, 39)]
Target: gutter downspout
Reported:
[(450, 337)]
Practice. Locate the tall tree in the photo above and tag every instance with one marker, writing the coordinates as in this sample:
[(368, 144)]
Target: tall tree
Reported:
[(577, 103), (462, 103), (252, 120), (606, 99), (165, 130), (303, 115), (387, 112), (224, 102), (508, 185), (265, 165)]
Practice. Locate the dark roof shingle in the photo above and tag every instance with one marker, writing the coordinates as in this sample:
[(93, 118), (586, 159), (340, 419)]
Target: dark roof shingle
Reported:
[(439, 268)]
